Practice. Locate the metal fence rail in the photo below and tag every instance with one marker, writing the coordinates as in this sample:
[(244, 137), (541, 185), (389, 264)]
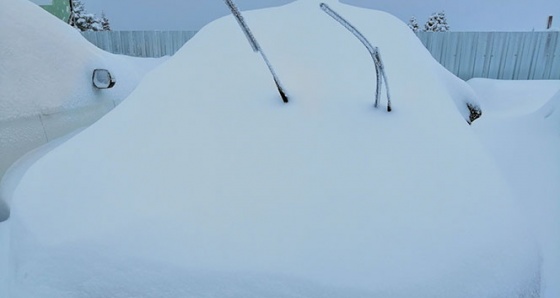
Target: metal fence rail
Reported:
[(497, 55)]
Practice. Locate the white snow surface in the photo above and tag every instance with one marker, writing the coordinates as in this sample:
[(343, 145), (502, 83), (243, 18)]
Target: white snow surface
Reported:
[(503, 98), (215, 188), (46, 85), (47, 65), (521, 128)]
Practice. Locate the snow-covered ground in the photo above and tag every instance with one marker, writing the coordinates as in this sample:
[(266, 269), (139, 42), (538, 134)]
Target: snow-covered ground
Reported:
[(46, 86), (521, 128), (215, 188)]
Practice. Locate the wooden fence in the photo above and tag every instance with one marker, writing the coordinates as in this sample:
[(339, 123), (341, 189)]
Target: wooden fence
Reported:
[(497, 55)]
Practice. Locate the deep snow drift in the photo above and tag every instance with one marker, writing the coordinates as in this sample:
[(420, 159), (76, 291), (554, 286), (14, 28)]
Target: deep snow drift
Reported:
[(45, 79), (503, 99), (218, 189), (521, 128)]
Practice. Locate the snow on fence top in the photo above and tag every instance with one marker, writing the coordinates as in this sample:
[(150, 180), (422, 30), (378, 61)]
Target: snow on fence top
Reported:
[(496, 55)]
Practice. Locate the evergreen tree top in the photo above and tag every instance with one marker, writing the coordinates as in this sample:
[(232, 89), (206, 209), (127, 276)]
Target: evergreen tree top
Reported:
[(437, 23), (84, 21)]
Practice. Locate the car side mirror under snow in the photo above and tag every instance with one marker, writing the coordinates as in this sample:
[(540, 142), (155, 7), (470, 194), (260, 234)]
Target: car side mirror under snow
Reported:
[(102, 79)]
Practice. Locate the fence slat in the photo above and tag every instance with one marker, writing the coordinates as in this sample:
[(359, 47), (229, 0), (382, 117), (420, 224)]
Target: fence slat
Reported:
[(501, 55), (555, 64)]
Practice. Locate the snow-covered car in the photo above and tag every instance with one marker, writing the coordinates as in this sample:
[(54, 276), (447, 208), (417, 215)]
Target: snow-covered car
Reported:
[(46, 87), (221, 189)]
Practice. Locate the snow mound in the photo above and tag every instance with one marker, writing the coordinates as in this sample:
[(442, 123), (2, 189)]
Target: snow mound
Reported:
[(216, 188), (522, 131), (550, 111), (46, 86), (47, 65), (462, 94), (506, 98)]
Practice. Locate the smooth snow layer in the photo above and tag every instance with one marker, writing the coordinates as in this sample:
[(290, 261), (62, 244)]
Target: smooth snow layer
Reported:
[(4, 260), (461, 93), (522, 131), (215, 188), (47, 65), (502, 98), (13, 175), (46, 72)]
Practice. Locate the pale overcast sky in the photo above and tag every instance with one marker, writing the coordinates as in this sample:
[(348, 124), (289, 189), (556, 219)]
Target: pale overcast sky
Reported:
[(465, 15)]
